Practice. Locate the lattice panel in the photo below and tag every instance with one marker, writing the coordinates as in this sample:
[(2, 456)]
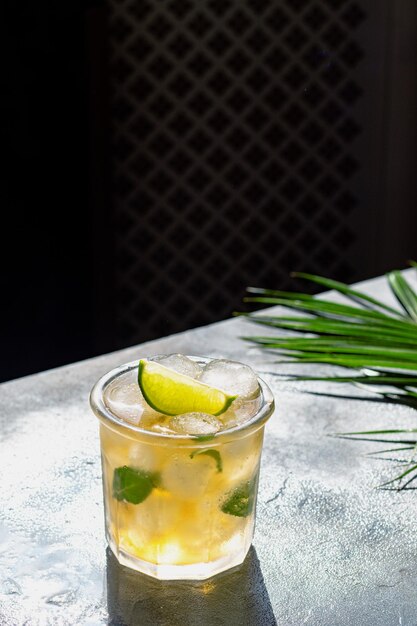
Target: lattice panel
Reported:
[(234, 126)]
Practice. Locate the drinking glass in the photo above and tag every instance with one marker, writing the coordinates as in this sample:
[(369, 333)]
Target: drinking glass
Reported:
[(179, 506)]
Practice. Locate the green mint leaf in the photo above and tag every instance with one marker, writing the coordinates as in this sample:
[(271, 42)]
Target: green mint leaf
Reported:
[(132, 485), (215, 454), (240, 501), (203, 437)]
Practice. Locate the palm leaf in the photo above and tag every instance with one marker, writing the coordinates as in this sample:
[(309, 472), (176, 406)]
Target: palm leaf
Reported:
[(356, 296), (375, 340), (404, 294), (326, 308)]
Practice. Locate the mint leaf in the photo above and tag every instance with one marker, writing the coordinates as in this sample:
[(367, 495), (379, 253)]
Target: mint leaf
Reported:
[(203, 437), (240, 501), (132, 485), (215, 454)]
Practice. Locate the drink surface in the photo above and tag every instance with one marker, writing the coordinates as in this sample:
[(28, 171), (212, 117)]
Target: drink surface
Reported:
[(181, 505), (124, 398)]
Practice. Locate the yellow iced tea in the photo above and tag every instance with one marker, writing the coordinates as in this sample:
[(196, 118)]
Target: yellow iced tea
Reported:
[(180, 506)]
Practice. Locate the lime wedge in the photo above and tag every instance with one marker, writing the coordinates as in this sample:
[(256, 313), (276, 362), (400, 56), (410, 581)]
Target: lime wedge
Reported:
[(172, 393)]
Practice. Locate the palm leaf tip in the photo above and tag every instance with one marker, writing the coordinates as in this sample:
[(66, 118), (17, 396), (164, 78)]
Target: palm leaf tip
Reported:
[(399, 478), (353, 294), (404, 293)]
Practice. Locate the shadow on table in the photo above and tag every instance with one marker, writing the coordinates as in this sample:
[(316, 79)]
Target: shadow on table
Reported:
[(238, 597), (404, 477)]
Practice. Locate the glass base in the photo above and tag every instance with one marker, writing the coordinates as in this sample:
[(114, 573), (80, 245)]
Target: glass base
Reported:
[(194, 571)]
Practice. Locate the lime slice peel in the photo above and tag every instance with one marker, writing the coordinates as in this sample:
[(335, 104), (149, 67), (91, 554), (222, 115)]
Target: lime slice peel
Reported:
[(172, 393)]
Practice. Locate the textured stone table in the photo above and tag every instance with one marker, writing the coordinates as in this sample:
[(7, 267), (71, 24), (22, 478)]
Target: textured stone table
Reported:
[(329, 549)]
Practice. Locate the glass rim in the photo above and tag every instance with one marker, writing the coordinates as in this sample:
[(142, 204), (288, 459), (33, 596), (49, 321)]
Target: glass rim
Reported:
[(106, 416)]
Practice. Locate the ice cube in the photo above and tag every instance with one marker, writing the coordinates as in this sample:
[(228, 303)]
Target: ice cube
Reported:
[(195, 424), (181, 364), (231, 376), (187, 478), (124, 399), (244, 408), (162, 428), (241, 459), (159, 514), (240, 411), (144, 456)]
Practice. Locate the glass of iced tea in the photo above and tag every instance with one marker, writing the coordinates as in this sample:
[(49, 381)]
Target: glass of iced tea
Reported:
[(181, 441)]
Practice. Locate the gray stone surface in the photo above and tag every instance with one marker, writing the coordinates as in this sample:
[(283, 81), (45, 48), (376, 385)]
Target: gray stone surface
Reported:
[(329, 549)]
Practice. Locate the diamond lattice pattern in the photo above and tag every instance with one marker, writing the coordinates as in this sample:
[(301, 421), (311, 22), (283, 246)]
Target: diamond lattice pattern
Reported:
[(233, 126)]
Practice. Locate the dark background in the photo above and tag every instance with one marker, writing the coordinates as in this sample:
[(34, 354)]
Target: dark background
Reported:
[(46, 223), (158, 157)]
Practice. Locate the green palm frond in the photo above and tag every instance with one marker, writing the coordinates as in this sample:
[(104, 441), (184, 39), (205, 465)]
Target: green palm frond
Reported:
[(375, 340)]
